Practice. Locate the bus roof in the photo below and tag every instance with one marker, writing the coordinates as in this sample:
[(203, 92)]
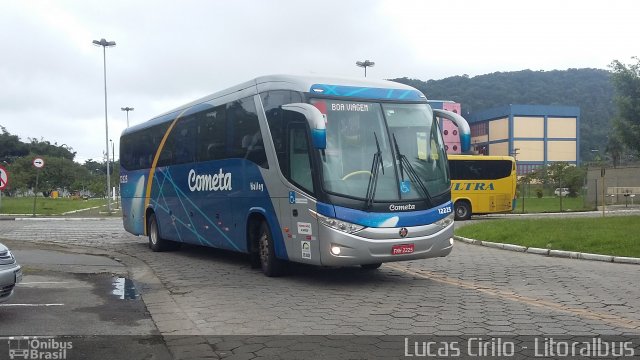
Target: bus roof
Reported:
[(479, 157), (320, 85)]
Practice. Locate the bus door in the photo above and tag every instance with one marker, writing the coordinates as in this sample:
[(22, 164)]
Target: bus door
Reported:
[(301, 228)]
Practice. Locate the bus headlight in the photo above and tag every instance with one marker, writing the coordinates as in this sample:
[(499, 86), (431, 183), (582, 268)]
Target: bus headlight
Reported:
[(445, 221), (340, 225)]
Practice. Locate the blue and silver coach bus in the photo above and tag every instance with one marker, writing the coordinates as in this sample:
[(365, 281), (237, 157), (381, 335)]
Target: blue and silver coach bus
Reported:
[(317, 170)]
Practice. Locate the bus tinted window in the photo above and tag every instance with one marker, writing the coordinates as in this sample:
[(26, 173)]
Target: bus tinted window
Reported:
[(245, 138), (140, 148), (480, 169), (272, 100), (212, 125), (179, 147)]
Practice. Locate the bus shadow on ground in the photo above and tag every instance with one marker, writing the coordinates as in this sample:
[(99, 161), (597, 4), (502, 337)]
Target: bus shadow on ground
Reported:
[(296, 272)]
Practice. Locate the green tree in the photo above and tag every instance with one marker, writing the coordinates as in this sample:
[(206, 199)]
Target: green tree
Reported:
[(11, 147), (615, 149), (626, 80)]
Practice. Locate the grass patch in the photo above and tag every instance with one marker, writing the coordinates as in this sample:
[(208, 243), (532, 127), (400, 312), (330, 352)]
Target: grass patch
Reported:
[(46, 206), (551, 204), (614, 235)]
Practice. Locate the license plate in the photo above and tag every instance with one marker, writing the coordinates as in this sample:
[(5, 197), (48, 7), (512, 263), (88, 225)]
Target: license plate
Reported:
[(18, 275), (402, 249)]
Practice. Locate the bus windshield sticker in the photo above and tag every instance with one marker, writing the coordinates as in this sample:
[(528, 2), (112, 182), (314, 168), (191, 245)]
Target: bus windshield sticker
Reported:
[(405, 186), (306, 249), (304, 228), (421, 137)]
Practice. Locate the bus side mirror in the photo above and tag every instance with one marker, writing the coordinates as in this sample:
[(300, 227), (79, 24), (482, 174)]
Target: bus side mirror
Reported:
[(316, 122), (461, 123)]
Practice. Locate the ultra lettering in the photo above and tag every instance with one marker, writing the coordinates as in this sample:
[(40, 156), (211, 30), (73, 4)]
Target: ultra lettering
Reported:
[(473, 186)]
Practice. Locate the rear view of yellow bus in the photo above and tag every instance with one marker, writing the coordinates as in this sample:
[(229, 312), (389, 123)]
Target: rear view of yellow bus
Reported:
[(482, 184)]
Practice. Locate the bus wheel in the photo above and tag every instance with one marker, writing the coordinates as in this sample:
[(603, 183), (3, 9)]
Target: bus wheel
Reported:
[(370, 266), (462, 210), (271, 265), (156, 242)]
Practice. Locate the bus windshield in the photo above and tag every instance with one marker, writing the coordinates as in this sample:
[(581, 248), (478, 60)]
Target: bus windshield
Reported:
[(358, 132)]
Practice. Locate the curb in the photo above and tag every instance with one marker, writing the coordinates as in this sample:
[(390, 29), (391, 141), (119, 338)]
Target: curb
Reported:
[(553, 253)]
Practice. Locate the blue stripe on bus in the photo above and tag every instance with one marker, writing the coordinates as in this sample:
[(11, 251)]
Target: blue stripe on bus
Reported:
[(367, 92), (386, 219)]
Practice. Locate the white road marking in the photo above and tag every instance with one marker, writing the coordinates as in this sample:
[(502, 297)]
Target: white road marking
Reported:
[(42, 282), (29, 305)]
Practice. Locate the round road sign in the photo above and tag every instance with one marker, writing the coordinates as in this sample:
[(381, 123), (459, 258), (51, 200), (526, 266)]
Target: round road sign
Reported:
[(4, 178), (38, 162)]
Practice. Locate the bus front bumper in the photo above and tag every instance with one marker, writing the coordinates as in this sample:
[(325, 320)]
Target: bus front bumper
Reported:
[(378, 245)]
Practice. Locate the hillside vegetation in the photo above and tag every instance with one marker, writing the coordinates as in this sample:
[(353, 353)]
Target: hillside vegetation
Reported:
[(589, 89)]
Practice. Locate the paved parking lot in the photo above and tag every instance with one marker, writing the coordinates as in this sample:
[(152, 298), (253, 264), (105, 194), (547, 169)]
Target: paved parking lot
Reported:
[(474, 291)]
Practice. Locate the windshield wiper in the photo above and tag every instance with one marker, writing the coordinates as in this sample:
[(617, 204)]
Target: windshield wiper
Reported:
[(376, 164), (405, 164)]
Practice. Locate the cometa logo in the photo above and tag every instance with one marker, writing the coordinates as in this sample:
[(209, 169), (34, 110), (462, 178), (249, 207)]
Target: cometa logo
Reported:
[(473, 186), (393, 207), (209, 182)]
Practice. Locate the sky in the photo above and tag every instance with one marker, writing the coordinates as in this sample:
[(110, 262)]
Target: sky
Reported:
[(169, 53)]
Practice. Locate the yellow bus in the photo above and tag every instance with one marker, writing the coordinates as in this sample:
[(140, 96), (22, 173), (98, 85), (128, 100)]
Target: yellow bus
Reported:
[(482, 184)]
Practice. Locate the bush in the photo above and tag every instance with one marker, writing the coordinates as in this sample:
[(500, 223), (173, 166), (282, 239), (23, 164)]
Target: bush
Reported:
[(539, 193)]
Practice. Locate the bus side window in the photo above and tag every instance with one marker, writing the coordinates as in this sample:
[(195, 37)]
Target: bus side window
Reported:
[(211, 133), (271, 102), (245, 138), (299, 161)]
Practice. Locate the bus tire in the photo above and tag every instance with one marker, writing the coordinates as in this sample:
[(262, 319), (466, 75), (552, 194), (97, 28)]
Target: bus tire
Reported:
[(371, 266), (462, 210), (270, 264), (156, 242), (253, 236)]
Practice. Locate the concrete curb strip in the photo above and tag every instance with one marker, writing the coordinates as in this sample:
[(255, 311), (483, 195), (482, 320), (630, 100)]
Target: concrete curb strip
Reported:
[(538, 251), (626, 260), (517, 248), (564, 254), (492, 244), (57, 219), (554, 253), (597, 257)]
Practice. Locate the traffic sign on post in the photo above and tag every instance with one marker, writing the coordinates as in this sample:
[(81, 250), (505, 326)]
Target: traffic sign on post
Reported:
[(38, 162), (4, 178)]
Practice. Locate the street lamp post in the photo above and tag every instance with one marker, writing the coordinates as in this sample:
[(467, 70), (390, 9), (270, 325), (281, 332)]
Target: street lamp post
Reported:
[(365, 64), (127, 109), (104, 43)]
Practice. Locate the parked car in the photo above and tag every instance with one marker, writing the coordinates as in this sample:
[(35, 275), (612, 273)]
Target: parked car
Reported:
[(561, 191), (10, 273)]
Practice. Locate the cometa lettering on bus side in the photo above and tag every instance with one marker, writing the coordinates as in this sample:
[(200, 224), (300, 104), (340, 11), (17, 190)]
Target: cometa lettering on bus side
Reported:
[(209, 182), (475, 186)]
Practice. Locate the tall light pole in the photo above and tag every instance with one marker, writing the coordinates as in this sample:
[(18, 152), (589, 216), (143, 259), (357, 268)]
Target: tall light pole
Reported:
[(365, 64), (127, 109), (104, 43)]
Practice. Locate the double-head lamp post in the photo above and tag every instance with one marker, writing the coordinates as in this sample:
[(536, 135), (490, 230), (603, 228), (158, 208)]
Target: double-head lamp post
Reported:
[(127, 109), (104, 43)]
